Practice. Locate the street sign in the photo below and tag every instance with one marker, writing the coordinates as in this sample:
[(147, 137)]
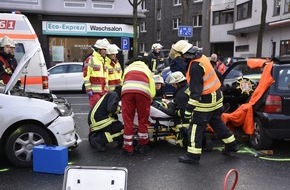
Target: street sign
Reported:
[(125, 43), (184, 31)]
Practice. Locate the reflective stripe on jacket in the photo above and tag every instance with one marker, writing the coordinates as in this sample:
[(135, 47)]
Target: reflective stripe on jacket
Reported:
[(114, 74), (137, 78), (96, 78), (210, 80), (104, 111)]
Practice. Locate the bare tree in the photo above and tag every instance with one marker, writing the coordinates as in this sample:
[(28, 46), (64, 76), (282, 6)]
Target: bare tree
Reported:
[(185, 12), (262, 29), (135, 4)]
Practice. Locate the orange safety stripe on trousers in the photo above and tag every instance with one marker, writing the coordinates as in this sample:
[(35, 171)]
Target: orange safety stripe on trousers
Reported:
[(32, 80), (20, 36)]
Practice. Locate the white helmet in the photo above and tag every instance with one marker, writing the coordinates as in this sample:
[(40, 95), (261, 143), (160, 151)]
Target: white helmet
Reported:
[(12, 43), (102, 44), (158, 79), (156, 46), (112, 49), (5, 41), (175, 77), (182, 46)]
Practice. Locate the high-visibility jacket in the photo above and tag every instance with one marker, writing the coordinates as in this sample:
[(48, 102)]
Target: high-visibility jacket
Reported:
[(96, 77), (114, 74), (137, 78), (104, 111), (207, 97), (155, 62), (6, 70)]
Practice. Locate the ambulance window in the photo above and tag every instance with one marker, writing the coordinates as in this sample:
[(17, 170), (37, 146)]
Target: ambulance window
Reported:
[(19, 51)]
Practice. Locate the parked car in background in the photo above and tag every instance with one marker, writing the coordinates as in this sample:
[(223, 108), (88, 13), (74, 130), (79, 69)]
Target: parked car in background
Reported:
[(66, 76), (271, 113), (29, 119)]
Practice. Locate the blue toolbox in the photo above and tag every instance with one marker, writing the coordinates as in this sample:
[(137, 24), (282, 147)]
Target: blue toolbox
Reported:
[(50, 159)]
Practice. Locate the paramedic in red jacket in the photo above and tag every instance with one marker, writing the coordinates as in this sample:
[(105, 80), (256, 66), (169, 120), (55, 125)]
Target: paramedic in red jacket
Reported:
[(137, 93)]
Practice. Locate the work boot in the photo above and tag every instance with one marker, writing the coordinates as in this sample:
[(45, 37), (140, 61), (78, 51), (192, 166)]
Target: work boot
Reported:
[(230, 149), (97, 142), (189, 159)]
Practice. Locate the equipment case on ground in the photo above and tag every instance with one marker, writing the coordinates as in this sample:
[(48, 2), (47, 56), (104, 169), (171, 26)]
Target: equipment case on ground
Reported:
[(95, 178)]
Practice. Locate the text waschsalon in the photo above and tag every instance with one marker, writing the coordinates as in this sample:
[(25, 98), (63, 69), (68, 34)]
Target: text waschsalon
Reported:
[(82, 27)]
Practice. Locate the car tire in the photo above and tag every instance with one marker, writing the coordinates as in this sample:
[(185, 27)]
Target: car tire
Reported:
[(259, 140), (20, 143)]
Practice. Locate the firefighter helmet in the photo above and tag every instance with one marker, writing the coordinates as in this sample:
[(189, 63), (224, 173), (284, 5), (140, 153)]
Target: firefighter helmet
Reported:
[(181, 46), (5, 41), (112, 49), (158, 79), (156, 46), (175, 77), (102, 44)]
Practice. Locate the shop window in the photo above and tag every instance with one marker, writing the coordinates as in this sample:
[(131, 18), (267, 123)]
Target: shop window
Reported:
[(69, 49)]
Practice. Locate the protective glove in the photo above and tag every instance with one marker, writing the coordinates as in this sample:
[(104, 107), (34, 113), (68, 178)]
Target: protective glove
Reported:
[(90, 93), (188, 111)]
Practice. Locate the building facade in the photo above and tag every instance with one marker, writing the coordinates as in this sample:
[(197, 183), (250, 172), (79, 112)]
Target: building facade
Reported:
[(225, 27), (68, 28)]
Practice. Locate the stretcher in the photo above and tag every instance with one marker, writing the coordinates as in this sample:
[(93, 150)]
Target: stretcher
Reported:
[(161, 126)]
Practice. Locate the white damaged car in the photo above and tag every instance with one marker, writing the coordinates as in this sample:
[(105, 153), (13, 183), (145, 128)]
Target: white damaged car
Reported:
[(30, 119)]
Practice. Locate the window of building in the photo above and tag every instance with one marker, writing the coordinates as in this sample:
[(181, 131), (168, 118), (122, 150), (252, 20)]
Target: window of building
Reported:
[(158, 14), (277, 7), (196, 43), (142, 27), (242, 48), (244, 10), (285, 47), (197, 21), (177, 2), (158, 35), (176, 23), (223, 17), (143, 5), (142, 47), (287, 6)]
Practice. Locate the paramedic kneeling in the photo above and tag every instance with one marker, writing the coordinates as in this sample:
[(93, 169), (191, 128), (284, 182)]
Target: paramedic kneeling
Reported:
[(103, 121), (204, 104)]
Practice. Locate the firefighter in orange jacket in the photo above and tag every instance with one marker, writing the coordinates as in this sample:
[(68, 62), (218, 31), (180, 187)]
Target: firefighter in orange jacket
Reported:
[(204, 104), (137, 93), (96, 78), (114, 68)]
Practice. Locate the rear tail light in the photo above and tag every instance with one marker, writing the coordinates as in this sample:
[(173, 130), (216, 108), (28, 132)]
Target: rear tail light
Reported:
[(44, 82), (273, 104)]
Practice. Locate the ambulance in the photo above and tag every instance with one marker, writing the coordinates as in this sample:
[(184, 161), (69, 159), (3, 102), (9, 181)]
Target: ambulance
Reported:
[(19, 29)]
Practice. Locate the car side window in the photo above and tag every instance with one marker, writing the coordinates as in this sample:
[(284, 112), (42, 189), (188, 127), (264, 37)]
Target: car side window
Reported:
[(284, 79), (58, 69), (75, 68)]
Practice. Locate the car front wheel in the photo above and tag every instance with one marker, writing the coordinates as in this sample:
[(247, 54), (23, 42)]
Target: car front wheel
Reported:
[(259, 140), (20, 143)]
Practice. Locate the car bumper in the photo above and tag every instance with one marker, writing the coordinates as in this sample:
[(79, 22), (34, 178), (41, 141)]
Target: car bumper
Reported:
[(63, 129), (276, 125)]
